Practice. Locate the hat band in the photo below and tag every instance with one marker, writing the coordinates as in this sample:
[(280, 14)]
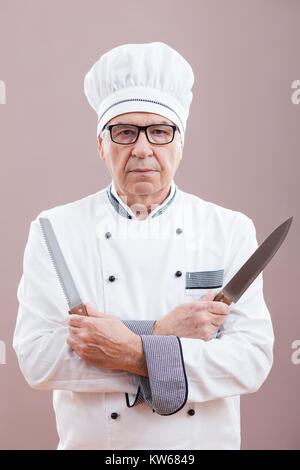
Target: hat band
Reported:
[(141, 99)]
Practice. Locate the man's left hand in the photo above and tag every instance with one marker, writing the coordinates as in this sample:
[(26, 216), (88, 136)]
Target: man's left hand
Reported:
[(105, 342)]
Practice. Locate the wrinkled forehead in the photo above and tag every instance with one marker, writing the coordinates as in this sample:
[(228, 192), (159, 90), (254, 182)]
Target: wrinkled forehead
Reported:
[(139, 118)]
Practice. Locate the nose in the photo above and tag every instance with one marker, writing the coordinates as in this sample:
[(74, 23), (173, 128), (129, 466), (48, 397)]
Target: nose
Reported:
[(142, 147)]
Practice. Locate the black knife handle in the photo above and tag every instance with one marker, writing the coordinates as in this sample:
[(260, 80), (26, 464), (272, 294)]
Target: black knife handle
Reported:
[(221, 297)]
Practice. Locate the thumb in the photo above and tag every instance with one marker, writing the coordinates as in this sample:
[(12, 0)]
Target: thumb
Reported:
[(209, 296), (91, 311)]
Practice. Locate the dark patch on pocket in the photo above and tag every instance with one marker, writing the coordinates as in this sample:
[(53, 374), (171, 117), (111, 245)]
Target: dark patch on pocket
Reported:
[(204, 279)]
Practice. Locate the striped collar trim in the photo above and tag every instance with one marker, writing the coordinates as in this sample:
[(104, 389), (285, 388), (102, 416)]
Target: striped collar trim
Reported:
[(122, 209)]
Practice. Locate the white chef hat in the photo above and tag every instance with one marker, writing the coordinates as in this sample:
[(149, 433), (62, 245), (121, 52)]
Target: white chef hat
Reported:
[(150, 77)]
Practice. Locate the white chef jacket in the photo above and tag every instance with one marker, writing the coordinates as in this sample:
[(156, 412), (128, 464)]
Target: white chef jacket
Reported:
[(100, 237)]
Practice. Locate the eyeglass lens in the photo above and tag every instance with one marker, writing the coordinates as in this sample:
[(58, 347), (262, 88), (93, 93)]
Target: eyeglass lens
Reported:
[(157, 134)]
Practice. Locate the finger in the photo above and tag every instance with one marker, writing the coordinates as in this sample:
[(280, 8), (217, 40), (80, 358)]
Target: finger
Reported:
[(77, 320), (74, 331), (214, 307), (92, 312), (71, 342), (218, 308), (210, 295), (217, 319)]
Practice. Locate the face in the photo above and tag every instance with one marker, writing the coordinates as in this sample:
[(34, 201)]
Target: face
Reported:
[(124, 161)]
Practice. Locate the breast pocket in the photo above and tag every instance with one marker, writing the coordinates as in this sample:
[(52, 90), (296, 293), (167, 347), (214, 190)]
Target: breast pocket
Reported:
[(198, 283)]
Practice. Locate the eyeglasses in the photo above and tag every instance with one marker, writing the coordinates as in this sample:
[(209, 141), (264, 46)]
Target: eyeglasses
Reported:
[(158, 134)]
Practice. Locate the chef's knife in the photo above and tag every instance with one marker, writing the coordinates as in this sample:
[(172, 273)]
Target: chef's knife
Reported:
[(62, 270), (235, 288)]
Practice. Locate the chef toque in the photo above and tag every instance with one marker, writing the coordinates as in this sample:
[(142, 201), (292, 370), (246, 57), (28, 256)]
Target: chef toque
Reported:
[(150, 77)]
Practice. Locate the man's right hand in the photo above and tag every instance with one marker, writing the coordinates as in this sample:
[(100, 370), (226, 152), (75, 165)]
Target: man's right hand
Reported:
[(198, 319)]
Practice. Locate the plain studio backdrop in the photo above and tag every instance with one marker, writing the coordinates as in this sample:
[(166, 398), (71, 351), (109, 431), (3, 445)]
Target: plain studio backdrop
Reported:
[(241, 152)]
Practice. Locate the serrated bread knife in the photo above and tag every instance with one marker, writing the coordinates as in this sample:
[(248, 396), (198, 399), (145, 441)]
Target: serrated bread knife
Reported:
[(235, 288), (62, 270)]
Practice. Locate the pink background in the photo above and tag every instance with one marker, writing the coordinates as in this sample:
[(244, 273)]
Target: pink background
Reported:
[(242, 152)]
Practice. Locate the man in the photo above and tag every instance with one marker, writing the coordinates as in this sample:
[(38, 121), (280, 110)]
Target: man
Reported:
[(157, 363)]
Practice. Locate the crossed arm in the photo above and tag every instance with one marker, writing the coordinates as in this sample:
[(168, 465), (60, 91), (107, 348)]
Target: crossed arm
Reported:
[(105, 342)]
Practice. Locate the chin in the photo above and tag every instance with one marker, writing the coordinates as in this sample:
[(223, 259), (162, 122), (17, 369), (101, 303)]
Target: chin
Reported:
[(142, 187)]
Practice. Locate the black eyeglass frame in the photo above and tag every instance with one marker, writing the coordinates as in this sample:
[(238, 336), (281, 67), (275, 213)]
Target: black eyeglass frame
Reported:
[(141, 128)]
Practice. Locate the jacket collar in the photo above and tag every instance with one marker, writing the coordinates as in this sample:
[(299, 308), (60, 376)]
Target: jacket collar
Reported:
[(125, 211)]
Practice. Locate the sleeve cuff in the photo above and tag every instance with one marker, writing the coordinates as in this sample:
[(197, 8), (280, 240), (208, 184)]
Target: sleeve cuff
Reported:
[(140, 327), (166, 389)]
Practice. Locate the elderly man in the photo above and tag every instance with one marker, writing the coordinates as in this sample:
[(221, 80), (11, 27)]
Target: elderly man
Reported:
[(157, 363)]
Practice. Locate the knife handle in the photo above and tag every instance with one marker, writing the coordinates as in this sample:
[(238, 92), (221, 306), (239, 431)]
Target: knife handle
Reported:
[(79, 310), (221, 297)]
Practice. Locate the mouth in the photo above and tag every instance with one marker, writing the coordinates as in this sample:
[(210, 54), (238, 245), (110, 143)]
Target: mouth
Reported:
[(143, 171)]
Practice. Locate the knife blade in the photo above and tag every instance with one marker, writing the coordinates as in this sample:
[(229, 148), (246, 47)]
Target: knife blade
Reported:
[(240, 282), (62, 270)]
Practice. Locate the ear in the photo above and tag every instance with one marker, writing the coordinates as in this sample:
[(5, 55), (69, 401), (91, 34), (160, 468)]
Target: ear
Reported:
[(100, 147)]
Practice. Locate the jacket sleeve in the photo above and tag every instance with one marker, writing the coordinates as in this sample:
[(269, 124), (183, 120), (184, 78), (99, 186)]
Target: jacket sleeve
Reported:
[(140, 327), (239, 359), (165, 389), (45, 359)]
